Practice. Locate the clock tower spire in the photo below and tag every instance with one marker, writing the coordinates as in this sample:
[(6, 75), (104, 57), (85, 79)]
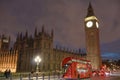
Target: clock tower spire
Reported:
[(90, 11), (92, 38)]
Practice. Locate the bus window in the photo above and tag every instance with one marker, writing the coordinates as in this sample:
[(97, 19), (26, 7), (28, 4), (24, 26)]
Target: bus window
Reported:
[(65, 67), (74, 67)]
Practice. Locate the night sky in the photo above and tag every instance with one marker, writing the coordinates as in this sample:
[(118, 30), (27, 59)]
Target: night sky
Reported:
[(66, 18)]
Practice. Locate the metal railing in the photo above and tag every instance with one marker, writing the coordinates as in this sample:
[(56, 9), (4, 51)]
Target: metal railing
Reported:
[(33, 76)]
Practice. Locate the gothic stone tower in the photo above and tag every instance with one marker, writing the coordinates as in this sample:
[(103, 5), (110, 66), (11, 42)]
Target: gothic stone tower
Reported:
[(41, 44), (4, 42), (92, 38)]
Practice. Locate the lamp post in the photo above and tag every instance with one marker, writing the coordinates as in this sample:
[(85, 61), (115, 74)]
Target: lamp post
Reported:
[(37, 60)]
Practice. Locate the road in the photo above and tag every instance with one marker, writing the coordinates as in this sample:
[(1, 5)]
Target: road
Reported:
[(93, 78), (106, 78), (113, 76)]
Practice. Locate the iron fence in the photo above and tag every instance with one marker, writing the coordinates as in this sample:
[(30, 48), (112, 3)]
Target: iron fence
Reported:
[(32, 76)]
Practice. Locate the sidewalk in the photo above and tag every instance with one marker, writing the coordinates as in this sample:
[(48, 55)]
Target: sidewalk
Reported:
[(3, 78)]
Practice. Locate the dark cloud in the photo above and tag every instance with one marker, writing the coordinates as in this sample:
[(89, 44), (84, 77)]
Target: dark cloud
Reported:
[(111, 50), (111, 47), (66, 17), (112, 56)]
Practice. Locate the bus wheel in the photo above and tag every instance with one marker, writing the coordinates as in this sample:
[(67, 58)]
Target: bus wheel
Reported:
[(78, 77)]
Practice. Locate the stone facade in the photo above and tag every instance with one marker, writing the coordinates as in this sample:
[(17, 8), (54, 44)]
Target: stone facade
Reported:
[(8, 58), (26, 48)]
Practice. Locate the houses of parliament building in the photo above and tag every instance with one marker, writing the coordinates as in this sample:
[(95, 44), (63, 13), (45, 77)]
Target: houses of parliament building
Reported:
[(20, 58)]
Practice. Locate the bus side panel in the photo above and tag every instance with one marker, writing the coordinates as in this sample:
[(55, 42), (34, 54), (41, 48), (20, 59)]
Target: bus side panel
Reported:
[(74, 71)]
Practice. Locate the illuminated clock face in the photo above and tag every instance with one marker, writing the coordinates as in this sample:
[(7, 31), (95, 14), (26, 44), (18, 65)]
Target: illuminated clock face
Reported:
[(89, 24), (97, 25), (5, 40)]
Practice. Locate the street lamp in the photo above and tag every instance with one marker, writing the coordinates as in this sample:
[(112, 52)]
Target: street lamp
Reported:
[(37, 60)]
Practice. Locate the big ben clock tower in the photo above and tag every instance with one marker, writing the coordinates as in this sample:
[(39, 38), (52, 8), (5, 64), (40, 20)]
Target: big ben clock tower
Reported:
[(92, 38)]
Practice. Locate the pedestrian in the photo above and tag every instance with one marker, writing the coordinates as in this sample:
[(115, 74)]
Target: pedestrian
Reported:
[(6, 73), (9, 73), (78, 77), (31, 75)]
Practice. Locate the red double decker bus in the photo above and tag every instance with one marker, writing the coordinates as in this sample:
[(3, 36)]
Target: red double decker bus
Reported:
[(74, 68)]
